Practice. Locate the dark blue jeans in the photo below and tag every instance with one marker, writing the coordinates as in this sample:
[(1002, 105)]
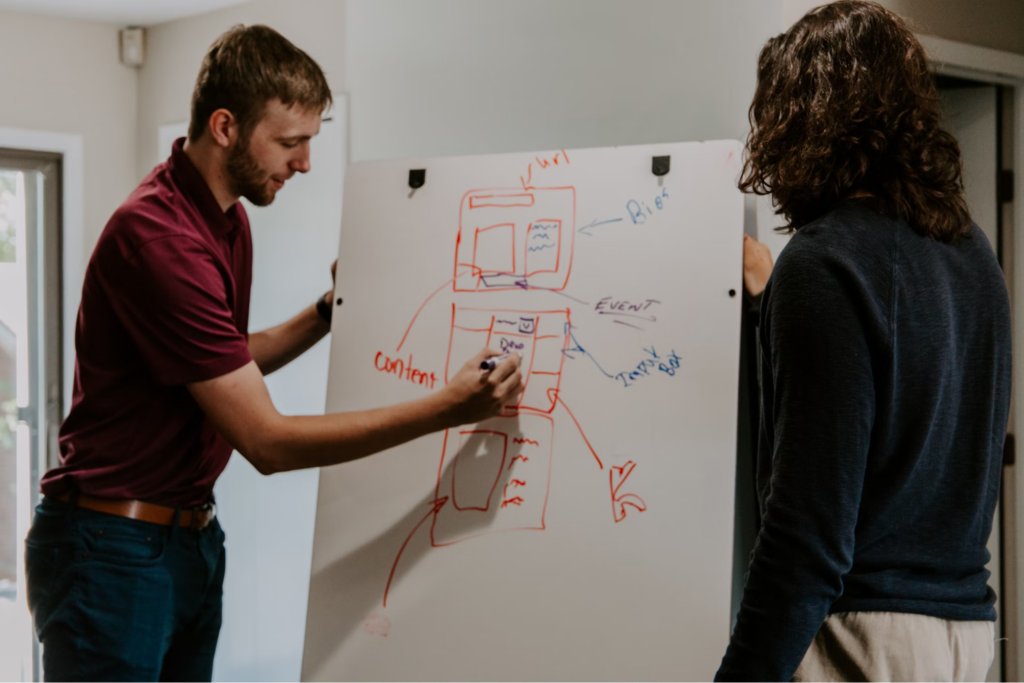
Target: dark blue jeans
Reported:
[(115, 599)]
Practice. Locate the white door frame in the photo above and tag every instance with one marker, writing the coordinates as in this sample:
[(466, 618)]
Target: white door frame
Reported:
[(1005, 68), (69, 146)]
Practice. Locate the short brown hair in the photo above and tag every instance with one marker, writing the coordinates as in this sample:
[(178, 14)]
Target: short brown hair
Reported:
[(247, 67), (845, 102)]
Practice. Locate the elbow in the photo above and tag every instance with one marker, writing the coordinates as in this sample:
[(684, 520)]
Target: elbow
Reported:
[(264, 365), (264, 454), (264, 464)]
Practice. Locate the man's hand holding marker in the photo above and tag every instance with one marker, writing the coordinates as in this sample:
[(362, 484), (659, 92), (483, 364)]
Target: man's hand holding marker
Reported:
[(485, 385)]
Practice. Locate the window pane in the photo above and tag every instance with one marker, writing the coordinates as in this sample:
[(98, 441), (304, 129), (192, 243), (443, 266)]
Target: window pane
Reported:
[(15, 638), (9, 211), (8, 464), (12, 322)]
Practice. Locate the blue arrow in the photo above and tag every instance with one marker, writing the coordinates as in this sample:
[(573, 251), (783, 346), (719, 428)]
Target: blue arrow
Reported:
[(595, 223)]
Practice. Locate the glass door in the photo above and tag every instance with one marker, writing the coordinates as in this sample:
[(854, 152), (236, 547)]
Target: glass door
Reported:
[(30, 388)]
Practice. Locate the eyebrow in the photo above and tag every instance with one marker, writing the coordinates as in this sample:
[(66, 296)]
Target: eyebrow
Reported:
[(295, 138)]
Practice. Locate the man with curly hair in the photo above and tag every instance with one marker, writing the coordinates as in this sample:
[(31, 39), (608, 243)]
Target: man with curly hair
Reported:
[(885, 330)]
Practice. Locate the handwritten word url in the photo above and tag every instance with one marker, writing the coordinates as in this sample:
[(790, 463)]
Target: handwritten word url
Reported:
[(404, 370)]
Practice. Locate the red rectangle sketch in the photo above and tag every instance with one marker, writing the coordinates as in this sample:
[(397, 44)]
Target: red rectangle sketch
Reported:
[(540, 337), (477, 462), (496, 477), (478, 201), (494, 249), (538, 228)]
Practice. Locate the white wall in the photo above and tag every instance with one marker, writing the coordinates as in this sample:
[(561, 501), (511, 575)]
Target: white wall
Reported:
[(176, 49), (475, 76), (64, 76)]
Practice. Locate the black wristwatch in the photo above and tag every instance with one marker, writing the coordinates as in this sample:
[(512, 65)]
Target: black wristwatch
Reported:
[(324, 309)]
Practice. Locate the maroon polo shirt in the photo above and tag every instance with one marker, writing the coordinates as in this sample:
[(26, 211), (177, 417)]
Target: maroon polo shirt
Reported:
[(165, 303)]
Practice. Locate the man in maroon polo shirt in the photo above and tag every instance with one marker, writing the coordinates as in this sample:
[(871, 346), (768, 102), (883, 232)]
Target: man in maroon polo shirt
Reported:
[(125, 559)]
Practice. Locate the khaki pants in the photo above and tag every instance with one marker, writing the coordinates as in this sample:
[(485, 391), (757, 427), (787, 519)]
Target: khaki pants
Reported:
[(892, 646)]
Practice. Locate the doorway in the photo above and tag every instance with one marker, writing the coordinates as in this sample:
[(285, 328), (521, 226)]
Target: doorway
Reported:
[(30, 377), (975, 113)]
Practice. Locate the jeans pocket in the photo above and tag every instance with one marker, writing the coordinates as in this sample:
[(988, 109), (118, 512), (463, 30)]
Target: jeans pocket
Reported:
[(124, 541), (50, 570), (40, 562)]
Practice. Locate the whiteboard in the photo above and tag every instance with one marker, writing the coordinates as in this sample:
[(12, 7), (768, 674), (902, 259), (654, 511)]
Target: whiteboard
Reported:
[(586, 534)]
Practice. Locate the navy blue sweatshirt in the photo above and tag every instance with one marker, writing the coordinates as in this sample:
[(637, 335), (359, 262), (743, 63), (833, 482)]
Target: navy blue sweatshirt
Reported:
[(885, 395)]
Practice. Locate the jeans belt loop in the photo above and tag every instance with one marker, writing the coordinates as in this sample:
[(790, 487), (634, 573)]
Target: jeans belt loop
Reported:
[(72, 503), (174, 524)]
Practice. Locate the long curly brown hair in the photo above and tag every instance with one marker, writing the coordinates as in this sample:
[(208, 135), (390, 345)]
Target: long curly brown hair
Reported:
[(845, 104)]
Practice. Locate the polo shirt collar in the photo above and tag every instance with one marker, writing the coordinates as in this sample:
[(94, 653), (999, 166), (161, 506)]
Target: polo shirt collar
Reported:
[(191, 181)]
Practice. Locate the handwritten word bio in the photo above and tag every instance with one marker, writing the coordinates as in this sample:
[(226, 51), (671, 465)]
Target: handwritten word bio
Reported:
[(639, 211)]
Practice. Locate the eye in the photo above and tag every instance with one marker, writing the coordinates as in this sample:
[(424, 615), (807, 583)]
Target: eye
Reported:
[(290, 145)]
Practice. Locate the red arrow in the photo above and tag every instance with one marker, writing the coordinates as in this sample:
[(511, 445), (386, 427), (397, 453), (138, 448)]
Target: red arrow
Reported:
[(438, 504)]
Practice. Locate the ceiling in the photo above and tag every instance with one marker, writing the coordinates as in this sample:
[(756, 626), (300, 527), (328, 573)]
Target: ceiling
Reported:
[(119, 12)]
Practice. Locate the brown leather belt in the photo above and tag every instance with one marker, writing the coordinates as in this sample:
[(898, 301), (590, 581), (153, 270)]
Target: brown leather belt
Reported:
[(194, 518)]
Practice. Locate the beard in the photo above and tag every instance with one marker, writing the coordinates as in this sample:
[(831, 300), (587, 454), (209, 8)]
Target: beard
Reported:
[(247, 177)]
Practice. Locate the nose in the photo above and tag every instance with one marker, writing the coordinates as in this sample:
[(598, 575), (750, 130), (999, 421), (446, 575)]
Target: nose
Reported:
[(301, 164)]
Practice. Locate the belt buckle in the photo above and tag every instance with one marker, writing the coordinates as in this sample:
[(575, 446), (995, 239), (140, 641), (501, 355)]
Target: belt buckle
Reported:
[(210, 508)]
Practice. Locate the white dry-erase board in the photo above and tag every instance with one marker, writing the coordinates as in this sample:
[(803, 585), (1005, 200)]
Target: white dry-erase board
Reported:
[(588, 533)]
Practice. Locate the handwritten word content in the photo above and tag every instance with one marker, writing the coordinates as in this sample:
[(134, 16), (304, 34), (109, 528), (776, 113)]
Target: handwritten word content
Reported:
[(640, 210), (652, 363), (404, 370)]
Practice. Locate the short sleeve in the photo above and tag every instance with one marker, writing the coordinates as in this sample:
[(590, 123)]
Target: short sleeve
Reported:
[(171, 295)]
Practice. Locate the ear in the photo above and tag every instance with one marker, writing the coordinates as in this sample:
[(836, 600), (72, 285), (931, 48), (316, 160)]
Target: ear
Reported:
[(223, 128)]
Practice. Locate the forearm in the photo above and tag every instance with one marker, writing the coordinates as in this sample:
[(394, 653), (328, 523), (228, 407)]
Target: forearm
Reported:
[(238, 405), (789, 591), (274, 348), (300, 442), (805, 545)]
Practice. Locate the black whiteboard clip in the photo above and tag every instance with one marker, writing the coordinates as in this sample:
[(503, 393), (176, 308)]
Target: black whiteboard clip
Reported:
[(660, 167), (417, 177)]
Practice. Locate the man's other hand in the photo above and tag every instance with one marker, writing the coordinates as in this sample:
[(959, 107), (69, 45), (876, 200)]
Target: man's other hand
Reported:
[(757, 265)]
